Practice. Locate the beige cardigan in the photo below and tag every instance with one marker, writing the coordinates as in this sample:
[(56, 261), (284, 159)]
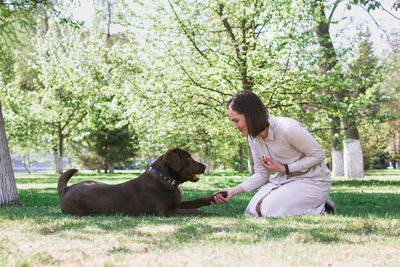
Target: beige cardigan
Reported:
[(288, 142)]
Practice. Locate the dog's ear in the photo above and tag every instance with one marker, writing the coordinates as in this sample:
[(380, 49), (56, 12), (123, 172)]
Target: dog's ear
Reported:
[(174, 159)]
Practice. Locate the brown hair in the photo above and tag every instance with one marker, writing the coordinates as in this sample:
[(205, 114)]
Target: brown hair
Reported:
[(250, 105)]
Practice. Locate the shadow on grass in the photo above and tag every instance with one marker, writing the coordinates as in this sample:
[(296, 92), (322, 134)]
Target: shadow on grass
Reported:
[(250, 232), (359, 182), (352, 223), (79, 177), (382, 172), (358, 204), (366, 204)]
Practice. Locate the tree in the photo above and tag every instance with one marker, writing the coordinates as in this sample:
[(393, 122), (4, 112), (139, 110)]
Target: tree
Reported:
[(347, 101), (70, 82), (390, 87), (363, 76), (108, 136), (15, 16), (373, 4), (23, 125), (70, 73), (212, 49), (329, 67), (107, 147), (387, 137), (8, 188)]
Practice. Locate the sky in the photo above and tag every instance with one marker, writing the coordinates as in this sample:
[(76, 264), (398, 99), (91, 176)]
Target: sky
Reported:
[(379, 23)]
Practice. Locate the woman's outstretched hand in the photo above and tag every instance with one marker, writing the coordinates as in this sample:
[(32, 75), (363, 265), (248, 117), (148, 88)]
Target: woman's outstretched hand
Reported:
[(272, 165), (221, 197)]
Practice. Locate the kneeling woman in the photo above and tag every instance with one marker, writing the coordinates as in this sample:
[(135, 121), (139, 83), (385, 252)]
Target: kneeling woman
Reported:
[(302, 181)]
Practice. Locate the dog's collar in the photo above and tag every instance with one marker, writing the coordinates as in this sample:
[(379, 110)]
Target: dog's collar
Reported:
[(169, 180)]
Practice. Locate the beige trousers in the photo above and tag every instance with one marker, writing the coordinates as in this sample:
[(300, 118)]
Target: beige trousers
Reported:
[(288, 197)]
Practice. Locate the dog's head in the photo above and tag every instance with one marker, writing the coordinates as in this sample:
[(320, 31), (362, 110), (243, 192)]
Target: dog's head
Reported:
[(182, 165)]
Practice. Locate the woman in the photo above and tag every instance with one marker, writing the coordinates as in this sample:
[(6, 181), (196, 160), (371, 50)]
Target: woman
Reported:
[(302, 181)]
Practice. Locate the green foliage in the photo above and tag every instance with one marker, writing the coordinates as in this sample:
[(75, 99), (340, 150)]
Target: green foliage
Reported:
[(204, 52), (169, 72), (373, 4), (362, 99), (388, 124), (68, 83), (15, 18), (60, 85), (108, 146), (16, 23)]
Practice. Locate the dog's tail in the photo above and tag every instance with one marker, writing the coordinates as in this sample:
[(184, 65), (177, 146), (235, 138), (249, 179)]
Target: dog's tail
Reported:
[(63, 180)]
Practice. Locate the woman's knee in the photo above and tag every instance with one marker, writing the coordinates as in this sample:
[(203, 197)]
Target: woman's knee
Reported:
[(270, 208)]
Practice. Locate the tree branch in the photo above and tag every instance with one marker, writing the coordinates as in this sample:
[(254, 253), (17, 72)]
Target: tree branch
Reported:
[(194, 82), (186, 32)]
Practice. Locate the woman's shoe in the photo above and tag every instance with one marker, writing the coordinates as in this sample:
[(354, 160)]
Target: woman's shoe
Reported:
[(330, 206)]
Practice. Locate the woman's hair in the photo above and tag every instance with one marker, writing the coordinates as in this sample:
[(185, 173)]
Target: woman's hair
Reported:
[(250, 105)]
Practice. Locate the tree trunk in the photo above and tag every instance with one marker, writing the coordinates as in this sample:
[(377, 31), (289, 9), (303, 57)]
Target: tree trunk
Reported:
[(352, 151), (59, 152), (207, 156), (337, 162), (353, 162), (395, 150), (27, 164), (111, 168), (337, 152), (240, 166), (250, 160), (57, 163), (8, 186), (45, 24)]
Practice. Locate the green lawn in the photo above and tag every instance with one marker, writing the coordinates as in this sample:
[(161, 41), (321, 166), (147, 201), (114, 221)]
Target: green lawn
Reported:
[(364, 232)]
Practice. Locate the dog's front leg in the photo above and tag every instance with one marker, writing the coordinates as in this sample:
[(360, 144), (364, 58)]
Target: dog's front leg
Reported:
[(199, 202), (196, 203)]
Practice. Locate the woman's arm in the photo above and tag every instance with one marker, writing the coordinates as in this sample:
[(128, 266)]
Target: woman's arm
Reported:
[(261, 174), (302, 140)]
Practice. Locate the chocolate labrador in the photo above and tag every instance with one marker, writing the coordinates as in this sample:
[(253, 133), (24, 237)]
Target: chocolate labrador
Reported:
[(155, 192)]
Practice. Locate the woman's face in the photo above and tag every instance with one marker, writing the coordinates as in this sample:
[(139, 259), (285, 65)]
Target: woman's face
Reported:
[(239, 121)]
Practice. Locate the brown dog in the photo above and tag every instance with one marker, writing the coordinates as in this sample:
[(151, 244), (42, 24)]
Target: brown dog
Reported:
[(155, 192)]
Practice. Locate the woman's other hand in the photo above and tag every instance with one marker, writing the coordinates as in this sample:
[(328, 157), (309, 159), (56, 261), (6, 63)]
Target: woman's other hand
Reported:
[(272, 165)]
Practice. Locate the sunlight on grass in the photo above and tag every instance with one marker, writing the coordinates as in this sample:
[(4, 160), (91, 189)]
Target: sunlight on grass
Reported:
[(364, 232)]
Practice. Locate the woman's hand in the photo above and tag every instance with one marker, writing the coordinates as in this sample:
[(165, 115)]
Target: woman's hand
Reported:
[(272, 165), (222, 197)]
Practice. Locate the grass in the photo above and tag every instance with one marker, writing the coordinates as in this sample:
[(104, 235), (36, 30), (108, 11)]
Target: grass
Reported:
[(364, 232)]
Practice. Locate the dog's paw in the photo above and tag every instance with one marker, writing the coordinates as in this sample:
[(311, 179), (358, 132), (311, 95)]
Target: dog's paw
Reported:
[(224, 194)]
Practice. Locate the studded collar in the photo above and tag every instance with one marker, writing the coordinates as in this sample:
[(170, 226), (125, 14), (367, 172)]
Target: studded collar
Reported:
[(168, 179)]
